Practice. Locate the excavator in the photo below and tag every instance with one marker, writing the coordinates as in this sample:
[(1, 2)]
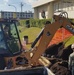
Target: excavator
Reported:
[(15, 60)]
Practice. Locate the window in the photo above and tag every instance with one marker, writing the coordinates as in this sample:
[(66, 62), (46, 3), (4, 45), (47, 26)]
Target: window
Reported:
[(31, 15), (2, 43), (11, 37), (26, 15)]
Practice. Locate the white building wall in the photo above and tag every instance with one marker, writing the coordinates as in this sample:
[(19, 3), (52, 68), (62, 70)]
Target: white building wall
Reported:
[(51, 6), (35, 13), (41, 2), (47, 8), (42, 8), (50, 10), (67, 6)]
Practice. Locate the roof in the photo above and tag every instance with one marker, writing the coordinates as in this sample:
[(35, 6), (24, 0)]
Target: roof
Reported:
[(15, 12), (41, 2)]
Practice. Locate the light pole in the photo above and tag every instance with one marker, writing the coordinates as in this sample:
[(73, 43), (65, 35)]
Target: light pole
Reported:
[(14, 14), (14, 7)]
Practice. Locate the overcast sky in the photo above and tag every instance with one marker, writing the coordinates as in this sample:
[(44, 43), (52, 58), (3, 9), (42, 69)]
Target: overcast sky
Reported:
[(17, 3)]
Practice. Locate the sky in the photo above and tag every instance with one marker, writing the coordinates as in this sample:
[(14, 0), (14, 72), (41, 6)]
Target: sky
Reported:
[(16, 5)]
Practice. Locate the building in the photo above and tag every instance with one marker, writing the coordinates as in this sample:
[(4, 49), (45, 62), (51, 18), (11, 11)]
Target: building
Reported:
[(52, 7), (19, 15)]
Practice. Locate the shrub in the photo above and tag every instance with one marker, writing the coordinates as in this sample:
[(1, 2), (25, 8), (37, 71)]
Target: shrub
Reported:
[(35, 22), (38, 23)]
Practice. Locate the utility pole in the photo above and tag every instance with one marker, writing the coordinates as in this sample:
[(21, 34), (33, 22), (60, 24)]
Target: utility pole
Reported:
[(22, 7)]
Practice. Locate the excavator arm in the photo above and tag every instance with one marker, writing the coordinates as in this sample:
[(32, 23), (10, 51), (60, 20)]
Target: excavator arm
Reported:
[(48, 33)]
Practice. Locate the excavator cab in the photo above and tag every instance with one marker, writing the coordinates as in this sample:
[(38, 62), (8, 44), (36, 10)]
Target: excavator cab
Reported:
[(10, 44)]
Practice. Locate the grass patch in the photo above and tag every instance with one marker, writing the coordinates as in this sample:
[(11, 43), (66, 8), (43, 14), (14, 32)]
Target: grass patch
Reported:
[(31, 32)]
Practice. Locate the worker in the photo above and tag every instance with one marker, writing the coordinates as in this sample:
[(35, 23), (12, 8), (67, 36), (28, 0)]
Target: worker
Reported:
[(71, 60), (24, 44), (6, 31)]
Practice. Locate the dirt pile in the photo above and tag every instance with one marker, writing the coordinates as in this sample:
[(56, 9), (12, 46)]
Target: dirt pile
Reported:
[(60, 69), (58, 55)]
